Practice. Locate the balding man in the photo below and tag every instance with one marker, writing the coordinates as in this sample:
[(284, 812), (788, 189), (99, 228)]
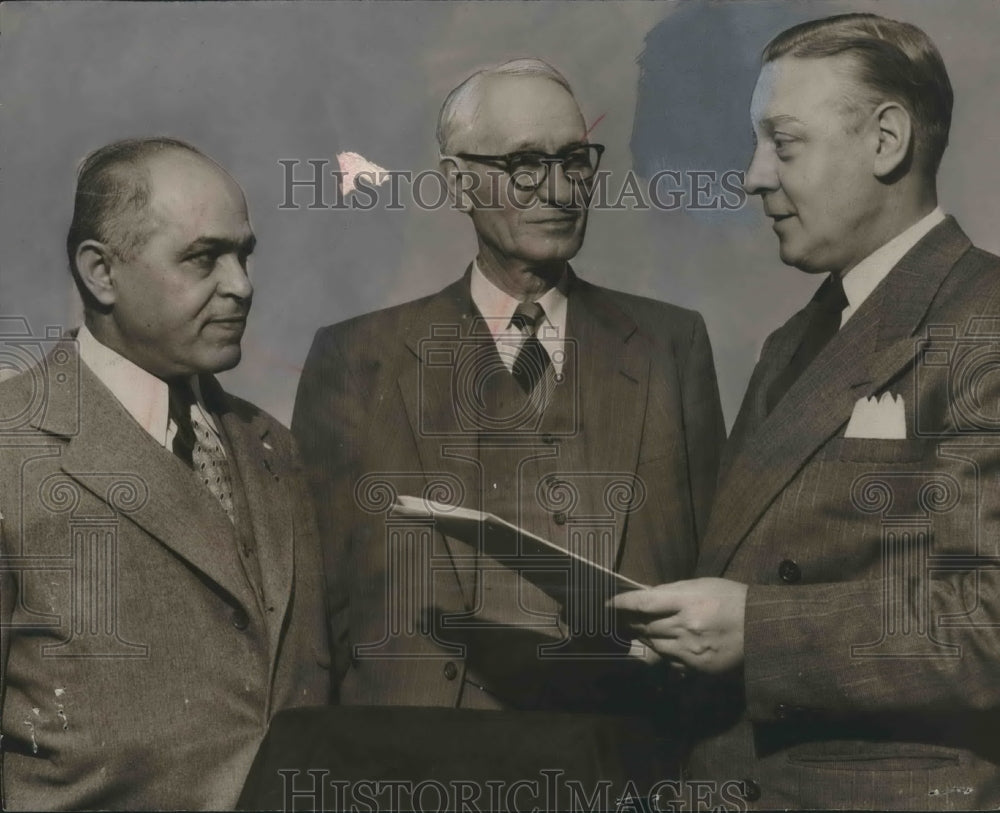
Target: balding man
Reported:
[(161, 594), (584, 415)]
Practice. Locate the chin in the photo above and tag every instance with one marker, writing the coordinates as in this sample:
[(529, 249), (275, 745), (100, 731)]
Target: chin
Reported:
[(795, 259), (554, 251), (222, 360)]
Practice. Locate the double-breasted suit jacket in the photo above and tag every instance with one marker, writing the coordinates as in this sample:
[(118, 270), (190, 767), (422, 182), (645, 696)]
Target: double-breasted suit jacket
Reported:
[(871, 630)]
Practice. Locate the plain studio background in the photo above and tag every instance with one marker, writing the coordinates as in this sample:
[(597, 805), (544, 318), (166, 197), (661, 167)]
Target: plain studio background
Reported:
[(256, 83)]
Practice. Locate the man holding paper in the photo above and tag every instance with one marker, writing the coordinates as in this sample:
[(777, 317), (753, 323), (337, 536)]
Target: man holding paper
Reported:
[(848, 655), (588, 417)]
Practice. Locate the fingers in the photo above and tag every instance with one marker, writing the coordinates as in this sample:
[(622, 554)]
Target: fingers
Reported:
[(660, 600), (649, 629), (643, 650)]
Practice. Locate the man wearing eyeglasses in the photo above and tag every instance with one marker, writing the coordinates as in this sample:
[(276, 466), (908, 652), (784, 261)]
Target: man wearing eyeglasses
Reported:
[(586, 416)]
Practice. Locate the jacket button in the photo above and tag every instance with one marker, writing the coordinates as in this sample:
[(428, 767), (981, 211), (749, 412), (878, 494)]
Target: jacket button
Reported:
[(789, 572), (751, 790), (786, 712), (450, 671), (240, 619), (559, 518)]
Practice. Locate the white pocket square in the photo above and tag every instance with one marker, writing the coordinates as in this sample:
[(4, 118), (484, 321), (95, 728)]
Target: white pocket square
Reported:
[(883, 418)]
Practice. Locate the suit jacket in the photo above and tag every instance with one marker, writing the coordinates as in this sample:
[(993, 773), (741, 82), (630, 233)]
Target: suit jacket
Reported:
[(140, 664), (871, 642), (621, 467)]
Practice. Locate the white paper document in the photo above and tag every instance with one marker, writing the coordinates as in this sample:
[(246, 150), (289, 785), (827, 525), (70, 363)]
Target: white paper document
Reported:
[(553, 569)]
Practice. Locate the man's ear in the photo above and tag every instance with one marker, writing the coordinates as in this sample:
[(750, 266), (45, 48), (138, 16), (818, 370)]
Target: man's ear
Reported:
[(459, 185), (94, 261), (895, 138)]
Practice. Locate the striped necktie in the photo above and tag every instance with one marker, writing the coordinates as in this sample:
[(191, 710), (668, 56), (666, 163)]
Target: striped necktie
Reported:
[(532, 361)]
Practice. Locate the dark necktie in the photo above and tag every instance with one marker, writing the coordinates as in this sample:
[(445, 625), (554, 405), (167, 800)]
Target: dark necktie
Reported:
[(829, 303), (532, 361), (179, 411), (197, 445)]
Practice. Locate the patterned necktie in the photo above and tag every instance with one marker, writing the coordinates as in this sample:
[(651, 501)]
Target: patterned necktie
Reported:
[(532, 361), (198, 446), (830, 302)]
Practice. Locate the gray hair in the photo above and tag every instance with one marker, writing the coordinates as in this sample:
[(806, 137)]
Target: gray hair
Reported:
[(461, 105)]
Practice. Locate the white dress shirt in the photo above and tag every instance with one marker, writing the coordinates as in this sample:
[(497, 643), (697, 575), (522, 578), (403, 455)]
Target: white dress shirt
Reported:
[(144, 396), (861, 280), (497, 307)]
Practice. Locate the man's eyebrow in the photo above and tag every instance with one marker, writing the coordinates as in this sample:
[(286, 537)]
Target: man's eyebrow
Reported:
[(223, 245), (776, 121), (532, 146)]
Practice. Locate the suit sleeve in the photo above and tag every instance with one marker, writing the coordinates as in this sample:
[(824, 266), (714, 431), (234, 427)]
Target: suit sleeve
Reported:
[(704, 427), (327, 421)]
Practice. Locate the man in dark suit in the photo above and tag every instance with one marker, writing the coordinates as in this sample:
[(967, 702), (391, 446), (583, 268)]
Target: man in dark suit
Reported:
[(848, 655), (584, 415), (161, 592)]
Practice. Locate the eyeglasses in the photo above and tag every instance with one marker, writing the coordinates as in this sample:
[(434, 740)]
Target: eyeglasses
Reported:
[(528, 169)]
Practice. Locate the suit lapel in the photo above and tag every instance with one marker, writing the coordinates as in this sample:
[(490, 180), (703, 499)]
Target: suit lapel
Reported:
[(169, 503), (426, 384), (613, 363), (612, 374), (774, 357), (871, 348), (267, 500)]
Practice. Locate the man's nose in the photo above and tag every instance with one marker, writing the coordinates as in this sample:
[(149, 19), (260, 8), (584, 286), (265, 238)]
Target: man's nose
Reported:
[(761, 175), (234, 280), (557, 189)]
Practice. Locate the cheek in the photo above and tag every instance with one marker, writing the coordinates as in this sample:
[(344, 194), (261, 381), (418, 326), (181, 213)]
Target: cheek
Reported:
[(500, 225), (178, 305), (822, 193)]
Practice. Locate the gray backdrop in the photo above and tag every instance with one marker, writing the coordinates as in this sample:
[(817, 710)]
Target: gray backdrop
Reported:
[(255, 83)]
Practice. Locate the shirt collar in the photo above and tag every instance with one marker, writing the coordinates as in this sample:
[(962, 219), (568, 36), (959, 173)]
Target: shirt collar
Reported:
[(861, 280), (145, 397), (497, 306)]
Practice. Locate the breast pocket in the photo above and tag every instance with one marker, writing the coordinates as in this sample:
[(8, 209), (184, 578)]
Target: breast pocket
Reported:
[(873, 756), (877, 450)]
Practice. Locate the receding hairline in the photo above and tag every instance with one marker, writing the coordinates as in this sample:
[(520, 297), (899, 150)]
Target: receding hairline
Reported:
[(461, 106), (891, 60), (856, 97)]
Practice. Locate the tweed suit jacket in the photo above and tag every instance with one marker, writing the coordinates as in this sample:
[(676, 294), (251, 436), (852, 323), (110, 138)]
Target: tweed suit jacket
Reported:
[(139, 664), (871, 630), (627, 455)]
